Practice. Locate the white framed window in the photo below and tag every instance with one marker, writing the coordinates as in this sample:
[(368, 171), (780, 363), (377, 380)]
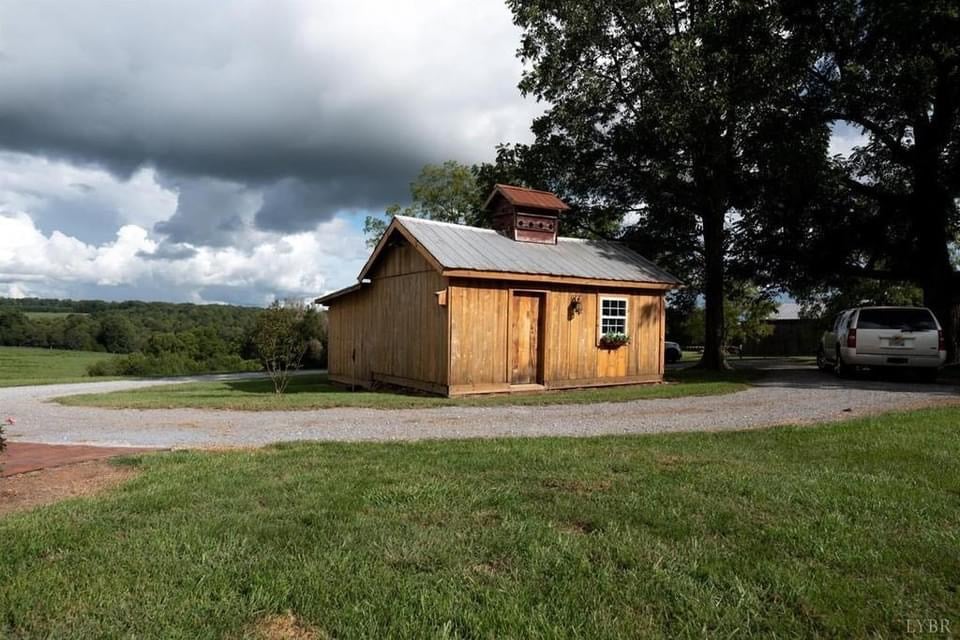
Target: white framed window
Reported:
[(613, 315)]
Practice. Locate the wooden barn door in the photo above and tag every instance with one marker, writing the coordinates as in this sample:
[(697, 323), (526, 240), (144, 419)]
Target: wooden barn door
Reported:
[(526, 319)]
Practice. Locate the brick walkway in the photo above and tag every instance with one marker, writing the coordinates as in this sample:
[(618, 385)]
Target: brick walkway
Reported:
[(22, 457)]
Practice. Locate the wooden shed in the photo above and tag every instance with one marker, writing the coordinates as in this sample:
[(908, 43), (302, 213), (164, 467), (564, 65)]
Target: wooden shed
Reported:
[(456, 310)]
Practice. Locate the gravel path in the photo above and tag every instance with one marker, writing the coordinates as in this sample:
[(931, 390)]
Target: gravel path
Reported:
[(788, 396)]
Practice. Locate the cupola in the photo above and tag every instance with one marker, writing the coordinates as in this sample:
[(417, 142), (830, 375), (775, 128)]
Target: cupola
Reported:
[(525, 215)]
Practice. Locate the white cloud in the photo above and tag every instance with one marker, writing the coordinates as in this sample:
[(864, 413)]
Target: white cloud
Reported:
[(844, 137), (303, 264)]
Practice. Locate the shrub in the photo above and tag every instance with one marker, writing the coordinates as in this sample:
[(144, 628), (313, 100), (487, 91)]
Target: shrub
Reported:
[(316, 356), (280, 336), (101, 368)]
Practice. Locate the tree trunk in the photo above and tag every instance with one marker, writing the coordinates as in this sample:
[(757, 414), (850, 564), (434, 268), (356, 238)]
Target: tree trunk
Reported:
[(932, 208), (713, 246), (944, 301)]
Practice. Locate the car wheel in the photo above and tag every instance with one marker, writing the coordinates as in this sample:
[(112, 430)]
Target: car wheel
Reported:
[(843, 369), (822, 363)]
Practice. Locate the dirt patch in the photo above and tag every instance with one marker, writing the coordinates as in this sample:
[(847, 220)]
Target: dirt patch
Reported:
[(494, 567), (285, 627), (23, 457), (671, 461), (28, 490), (486, 518)]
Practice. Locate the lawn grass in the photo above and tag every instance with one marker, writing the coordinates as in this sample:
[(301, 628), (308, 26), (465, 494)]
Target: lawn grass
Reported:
[(315, 392), (25, 365), (843, 530)]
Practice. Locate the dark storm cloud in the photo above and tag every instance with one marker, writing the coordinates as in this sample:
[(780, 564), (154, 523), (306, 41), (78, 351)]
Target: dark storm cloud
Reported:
[(308, 101), (209, 212), (291, 205)]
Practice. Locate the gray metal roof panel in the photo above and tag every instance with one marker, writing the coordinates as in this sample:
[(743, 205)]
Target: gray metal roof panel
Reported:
[(461, 247)]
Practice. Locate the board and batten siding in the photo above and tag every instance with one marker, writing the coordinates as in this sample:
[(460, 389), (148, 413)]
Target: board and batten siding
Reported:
[(480, 328), (393, 329)]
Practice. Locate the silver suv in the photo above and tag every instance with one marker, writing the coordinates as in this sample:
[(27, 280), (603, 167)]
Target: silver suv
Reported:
[(901, 337)]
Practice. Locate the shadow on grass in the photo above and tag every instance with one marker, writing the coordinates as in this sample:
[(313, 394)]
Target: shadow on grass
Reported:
[(311, 383), (319, 383)]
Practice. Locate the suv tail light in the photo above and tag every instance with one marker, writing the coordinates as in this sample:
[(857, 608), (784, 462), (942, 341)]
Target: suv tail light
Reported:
[(852, 339), (941, 343)]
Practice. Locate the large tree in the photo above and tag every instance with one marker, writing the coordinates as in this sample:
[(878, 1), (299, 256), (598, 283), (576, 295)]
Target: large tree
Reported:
[(888, 211), (661, 115)]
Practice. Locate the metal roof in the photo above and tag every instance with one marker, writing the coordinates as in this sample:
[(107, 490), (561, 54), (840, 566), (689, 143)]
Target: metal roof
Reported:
[(457, 246), (339, 293), (525, 197)]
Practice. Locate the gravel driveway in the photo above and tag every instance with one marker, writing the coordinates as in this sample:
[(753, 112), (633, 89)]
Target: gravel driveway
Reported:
[(784, 396)]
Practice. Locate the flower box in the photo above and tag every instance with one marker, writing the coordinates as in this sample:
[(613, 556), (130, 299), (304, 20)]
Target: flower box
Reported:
[(614, 340)]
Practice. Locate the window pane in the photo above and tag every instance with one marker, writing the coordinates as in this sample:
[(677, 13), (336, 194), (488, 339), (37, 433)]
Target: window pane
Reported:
[(613, 325), (612, 307), (613, 315), (897, 319)]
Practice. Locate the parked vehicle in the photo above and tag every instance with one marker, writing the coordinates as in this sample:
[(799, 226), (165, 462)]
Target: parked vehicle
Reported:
[(672, 352), (895, 337)]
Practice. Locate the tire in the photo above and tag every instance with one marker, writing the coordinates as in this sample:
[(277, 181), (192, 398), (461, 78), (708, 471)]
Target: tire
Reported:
[(822, 363), (843, 369)]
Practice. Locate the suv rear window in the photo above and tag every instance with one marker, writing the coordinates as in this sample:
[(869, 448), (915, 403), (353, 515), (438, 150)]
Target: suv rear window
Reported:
[(897, 319)]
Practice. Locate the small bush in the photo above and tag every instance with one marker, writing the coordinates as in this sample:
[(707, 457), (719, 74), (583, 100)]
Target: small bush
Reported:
[(316, 355), (101, 368)]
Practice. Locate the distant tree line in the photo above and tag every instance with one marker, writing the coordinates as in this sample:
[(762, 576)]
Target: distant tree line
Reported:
[(154, 338)]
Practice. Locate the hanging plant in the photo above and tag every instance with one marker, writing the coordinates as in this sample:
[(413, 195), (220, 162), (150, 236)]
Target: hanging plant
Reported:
[(614, 340)]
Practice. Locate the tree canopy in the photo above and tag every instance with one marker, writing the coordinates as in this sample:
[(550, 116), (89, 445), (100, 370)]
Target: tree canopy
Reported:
[(888, 211), (663, 115), (448, 192)]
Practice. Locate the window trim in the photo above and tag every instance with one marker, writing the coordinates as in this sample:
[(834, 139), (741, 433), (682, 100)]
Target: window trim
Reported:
[(600, 316)]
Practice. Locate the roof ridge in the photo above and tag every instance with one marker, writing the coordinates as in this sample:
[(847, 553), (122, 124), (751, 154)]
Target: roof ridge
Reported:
[(520, 188), (443, 223)]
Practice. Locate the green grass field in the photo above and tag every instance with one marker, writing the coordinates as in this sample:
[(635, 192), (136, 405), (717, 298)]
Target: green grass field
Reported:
[(844, 530), (24, 365), (315, 392)]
